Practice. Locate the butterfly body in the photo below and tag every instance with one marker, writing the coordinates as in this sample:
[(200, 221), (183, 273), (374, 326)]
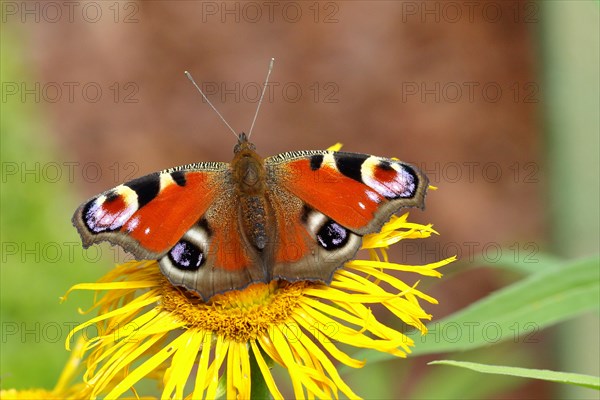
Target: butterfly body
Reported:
[(249, 175), (215, 227)]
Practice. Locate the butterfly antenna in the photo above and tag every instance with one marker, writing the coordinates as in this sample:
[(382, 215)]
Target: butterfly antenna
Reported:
[(261, 96), (189, 76)]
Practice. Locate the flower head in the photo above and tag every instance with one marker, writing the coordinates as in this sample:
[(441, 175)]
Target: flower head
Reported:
[(148, 327)]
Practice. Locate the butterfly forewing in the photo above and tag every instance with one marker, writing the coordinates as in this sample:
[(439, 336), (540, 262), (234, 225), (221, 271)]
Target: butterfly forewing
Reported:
[(358, 191), (147, 216)]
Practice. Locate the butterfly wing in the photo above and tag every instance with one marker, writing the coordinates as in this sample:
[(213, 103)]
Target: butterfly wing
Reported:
[(148, 215), (332, 199), (184, 217)]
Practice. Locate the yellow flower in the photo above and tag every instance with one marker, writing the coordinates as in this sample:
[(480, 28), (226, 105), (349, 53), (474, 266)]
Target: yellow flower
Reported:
[(68, 386), (148, 327), (65, 388)]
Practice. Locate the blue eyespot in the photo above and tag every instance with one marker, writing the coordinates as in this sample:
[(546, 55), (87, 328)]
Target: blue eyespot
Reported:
[(186, 256)]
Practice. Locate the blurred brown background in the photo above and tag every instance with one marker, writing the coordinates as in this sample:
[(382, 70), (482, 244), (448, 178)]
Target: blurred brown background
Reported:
[(454, 88), (460, 99)]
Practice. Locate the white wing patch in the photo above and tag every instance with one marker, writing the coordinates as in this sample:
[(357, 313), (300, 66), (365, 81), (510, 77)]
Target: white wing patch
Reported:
[(399, 184), (99, 219)]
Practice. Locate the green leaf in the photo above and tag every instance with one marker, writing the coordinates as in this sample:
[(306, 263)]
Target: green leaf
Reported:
[(592, 382), (259, 389), (516, 312), (527, 260), (459, 383)]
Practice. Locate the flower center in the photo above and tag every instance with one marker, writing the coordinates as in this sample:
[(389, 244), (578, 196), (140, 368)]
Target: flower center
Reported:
[(238, 315)]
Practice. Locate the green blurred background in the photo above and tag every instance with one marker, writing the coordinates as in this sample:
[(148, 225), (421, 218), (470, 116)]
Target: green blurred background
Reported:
[(497, 101)]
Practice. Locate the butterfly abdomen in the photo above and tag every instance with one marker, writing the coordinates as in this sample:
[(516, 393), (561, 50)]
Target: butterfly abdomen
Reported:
[(254, 220), (250, 179)]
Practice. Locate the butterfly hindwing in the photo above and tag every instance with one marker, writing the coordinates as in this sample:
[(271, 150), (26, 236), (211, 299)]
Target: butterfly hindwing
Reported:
[(309, 245), (213, 256)]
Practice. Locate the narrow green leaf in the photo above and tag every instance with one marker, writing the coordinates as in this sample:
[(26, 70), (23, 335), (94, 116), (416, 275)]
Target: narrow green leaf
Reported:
[(259, 389), (527, 260), (459, 383), (592, 382), (517, 312)]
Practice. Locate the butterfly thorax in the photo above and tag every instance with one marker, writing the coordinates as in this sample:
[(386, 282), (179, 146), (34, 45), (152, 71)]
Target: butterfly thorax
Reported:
[(249, 175), (248, 169)]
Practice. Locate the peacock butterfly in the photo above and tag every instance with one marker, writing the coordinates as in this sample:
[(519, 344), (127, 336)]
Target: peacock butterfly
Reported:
[(215, 227)]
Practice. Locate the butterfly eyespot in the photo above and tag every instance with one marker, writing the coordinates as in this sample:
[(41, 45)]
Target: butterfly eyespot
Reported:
[(107, 213), (186, 256), (332, 236)]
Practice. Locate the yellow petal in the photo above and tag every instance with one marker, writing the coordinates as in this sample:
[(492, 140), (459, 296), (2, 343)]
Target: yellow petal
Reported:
[(183, 362), (201, 376), (221, 348), (142, 301)]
